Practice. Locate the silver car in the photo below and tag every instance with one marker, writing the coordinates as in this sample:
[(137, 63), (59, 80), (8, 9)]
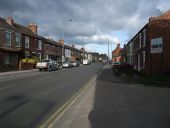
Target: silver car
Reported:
[(67, 64)]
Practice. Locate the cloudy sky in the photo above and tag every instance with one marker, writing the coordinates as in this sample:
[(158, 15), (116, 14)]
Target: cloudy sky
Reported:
[(90, 22)]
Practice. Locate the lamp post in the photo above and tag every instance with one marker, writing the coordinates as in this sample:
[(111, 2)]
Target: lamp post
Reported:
[(62, 58)]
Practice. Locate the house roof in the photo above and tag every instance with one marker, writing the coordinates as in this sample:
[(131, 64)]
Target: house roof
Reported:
[(26, 31), (17, 28)]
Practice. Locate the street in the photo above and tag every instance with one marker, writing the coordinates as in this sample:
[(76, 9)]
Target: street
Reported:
[(27, 100)]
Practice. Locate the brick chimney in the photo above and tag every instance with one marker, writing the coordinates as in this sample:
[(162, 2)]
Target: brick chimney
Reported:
[(118, 46), (10, 20), (61, 41), (73, 46), (33, 27)]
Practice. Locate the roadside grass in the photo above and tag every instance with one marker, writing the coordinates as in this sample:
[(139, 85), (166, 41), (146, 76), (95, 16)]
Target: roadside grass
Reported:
[(139, 77), (156, 81)]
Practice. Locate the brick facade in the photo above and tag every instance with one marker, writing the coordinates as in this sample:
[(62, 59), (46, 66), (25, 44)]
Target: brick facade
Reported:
[(11, 55), (150, 46)]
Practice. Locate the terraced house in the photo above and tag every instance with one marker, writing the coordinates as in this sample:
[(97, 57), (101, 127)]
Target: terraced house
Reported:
[(18, 42), (148, 51)]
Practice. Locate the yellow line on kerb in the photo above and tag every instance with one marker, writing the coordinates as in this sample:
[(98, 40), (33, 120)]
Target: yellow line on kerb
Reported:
[(60, 112)]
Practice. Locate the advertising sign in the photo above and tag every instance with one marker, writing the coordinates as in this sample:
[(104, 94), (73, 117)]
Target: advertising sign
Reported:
[(156, 45)]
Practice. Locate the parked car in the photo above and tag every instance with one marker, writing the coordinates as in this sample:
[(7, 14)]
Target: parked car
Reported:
[(48, 65), (86, 62), (116, 65), (74, 63), (104, 61), (67, 64), (78, 63)]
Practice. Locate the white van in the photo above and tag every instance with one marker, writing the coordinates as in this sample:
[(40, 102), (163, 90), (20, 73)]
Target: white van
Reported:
[(86, 62)]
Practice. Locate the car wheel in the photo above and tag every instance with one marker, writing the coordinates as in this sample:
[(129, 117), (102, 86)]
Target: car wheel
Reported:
[(49, 69)]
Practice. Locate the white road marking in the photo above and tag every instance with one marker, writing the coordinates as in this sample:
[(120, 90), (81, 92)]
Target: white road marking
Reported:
[(1, 89)]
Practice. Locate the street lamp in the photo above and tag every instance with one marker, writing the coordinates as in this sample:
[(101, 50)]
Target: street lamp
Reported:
[(62, 58)]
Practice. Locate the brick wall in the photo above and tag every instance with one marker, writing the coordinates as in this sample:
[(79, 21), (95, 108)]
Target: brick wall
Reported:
[(159, 62)]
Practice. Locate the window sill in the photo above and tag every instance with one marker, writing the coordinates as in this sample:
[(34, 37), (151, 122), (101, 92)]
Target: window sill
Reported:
[(7, 45)]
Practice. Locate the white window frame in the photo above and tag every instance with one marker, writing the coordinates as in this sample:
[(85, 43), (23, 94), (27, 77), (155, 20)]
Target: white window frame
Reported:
[(140, 40), (6, 40), (27, 42), (40, 56), (17, 34), (144, 37), (39, 44)]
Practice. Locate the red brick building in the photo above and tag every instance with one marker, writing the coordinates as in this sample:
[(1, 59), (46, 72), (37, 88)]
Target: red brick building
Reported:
[(18, 42), (148, 51), (116, 56)]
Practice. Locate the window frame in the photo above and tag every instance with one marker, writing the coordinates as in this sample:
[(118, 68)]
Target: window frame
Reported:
[(27, 42), (6, 38), (39, 46), (19, 35), (144, 38), (140, 40)]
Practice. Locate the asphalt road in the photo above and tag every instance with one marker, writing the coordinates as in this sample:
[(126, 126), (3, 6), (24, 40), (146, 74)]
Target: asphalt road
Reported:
[(27, 100)]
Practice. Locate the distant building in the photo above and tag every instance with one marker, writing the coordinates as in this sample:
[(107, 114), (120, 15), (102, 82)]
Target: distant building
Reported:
[(116, 56)]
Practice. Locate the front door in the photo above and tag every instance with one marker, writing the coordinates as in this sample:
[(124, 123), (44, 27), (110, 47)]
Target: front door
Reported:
[(139, 68)]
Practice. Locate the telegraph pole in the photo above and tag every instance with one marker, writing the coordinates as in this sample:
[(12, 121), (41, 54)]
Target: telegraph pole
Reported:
[(108, 52)]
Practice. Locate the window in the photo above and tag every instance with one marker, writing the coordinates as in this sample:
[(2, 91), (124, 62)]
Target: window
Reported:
[(39, 56), (8, 38), (140, 40), (144, 37), (40, 45), (17, 40), (26, 42)]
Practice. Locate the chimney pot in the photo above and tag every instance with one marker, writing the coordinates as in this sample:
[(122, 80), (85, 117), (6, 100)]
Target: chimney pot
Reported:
[(61, 41), (33, 27), (10, 20)]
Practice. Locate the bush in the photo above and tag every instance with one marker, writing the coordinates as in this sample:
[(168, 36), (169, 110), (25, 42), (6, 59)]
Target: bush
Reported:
[(27, 60)]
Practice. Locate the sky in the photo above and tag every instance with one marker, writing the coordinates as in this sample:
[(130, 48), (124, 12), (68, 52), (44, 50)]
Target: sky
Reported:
[(92, 23)]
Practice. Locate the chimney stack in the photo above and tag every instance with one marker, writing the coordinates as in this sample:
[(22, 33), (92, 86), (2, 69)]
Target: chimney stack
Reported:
[(10, 20), (33, 27), (61, 41), (118, 46), (73, 46)]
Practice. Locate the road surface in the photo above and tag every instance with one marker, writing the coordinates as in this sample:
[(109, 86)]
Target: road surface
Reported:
[(27, 100)]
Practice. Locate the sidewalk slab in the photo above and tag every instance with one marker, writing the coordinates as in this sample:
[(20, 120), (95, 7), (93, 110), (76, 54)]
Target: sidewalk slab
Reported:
[(77, 114), (111, 102)]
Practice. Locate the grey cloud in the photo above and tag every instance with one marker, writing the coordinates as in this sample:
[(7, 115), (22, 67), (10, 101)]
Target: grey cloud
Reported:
[(89, 17)]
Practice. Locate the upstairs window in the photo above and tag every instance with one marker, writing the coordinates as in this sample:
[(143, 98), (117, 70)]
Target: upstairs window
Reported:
[(140, 40), (144, 37), (17, 40), (8, 38), (27, 42), (39, 44)]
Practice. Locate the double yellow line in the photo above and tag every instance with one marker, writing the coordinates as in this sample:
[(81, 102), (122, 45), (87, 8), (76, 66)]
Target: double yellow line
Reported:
[(60, 112)]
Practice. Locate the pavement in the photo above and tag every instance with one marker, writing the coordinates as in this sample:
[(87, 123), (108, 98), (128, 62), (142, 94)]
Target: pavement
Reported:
[(113, 102)]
